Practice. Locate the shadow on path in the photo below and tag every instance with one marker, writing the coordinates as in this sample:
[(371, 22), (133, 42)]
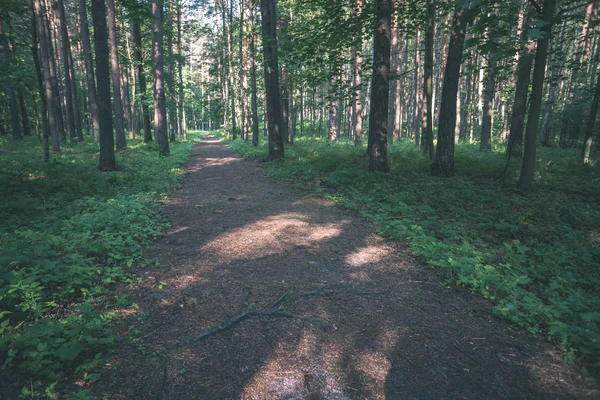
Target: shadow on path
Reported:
[(239, 240)]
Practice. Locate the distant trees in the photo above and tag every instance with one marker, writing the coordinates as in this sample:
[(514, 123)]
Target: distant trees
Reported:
[(449, 80)]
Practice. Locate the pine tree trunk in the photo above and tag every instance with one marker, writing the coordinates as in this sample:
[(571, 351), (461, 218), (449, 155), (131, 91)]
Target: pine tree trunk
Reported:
[(160, 107), (254, 97), (42, 83), (12, 96), (181, 105), (529, 153), (443, 162), (589, 131), (172, 109), (380, 88), (116, 77), (141, 78), (230, 75), (107, 151), (427, 107), (89, 69), (271, 68), (24, 117), (515, 139)]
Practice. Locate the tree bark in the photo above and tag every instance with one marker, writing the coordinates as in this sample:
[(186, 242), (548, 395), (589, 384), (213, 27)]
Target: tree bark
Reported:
[(254, 100), (529, 154), (172, 108), (380, 88), (357, 85), (42, 83), (116, 77), (160, 107), (181, 105), (271, 67), (89, 69), (443, 162), (589, 131), (12, 96), (107, 150), (427, 124), (141, 78), (514, 147)]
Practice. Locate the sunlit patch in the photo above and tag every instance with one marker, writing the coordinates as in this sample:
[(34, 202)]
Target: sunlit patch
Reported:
[(375, 363), (361, 276), (271, 236), (310, 370), (184, 281), (367, 255)]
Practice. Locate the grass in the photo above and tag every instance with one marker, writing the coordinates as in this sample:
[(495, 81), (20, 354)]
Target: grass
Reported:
[(535, 257), (69, 233)]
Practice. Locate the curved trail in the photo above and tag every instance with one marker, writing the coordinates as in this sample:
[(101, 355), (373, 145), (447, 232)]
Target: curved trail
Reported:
[(241, 241)]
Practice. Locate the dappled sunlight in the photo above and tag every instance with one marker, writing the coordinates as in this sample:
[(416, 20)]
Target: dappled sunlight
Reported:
[(313, 368), (272, 235), (368, 254), (374, 363)]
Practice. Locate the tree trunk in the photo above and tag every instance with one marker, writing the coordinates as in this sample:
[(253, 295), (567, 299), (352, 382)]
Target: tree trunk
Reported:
[(181, 105), (271, 67), (42, 83), (72, 106), (160, 107), (394, 65), (529, 154), (141, 78), (443, 163), (417, 99), (589, 131), (172, 109), (116, 77), (380, 88), (357, 86), (230, 75), (107, 150), (24, 117), (514, 147), (89, 69), (488, 103), (253, 74), (427, 107), (12, 96)]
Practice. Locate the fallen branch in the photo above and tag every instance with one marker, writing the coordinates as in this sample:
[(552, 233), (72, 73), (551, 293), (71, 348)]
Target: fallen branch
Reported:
[(230, 323)]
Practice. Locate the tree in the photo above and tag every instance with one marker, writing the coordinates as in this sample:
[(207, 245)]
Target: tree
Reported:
[(443, 162), (107, 149), (116, 77), (12, 96), (271, 67), (141, 78), (253, 74), (89, 69), (589, 130), (529, 153), (380, 87), (427, 124), (160, 107)]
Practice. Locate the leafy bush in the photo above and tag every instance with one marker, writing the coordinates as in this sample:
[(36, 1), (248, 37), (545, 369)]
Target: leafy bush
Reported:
[(536, 257), (71, 231)]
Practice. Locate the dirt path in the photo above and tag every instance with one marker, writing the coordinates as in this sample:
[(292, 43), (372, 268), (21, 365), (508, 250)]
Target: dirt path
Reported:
[(239, 241)]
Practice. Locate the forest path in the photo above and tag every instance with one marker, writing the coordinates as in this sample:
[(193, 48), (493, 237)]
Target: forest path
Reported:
[(239, 241)]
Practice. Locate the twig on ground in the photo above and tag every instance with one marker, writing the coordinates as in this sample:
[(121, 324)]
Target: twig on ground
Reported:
[(242, 317)]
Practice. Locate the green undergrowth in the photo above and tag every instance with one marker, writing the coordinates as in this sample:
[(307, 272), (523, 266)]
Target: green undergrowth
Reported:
[(68, 233), (536, 257)]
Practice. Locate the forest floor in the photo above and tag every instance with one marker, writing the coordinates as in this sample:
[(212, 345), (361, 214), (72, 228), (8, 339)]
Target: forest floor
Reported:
[(326, 309)]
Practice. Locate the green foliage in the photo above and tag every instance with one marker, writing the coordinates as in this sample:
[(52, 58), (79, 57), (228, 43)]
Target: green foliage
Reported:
[(70, 232), (535, 257)]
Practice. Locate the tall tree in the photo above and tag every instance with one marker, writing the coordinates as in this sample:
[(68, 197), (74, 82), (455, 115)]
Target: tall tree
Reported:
[(357, 77), (160, 106), (141, 78), (254, 98), (515, 139), (443, 162), (380, 87), (116, 76), (539, 69), (271, 67), (89, 68), (589, 130), (427, 124), (8, 84), (107, 148)]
